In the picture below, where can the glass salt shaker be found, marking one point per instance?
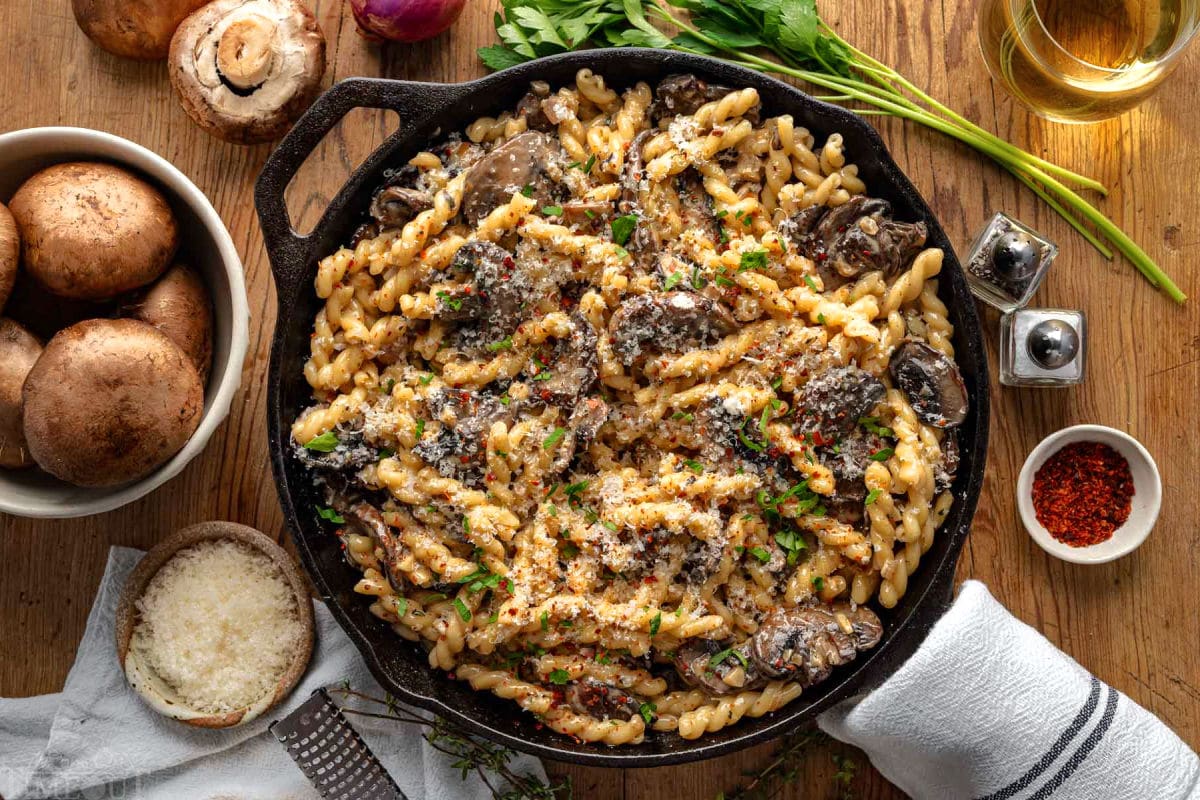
(1008, 262)
(1042, 347)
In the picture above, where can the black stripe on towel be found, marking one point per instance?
(1056, 750)
(1085, 749)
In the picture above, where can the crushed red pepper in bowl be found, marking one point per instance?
(1083, 493)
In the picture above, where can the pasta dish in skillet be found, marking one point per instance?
(629, 406)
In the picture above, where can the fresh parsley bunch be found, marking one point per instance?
(802, 46)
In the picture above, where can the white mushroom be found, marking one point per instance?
(244, 70)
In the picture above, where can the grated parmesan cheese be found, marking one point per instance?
(219, 624)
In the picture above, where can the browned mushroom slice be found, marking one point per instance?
(848, 460)
(497, 299)
(632, 173)
(366, 520)
(705, 664)
(931, 382)
(586, 212)
(947, 468)
(831, 402)
(855, 237)
(351, 453)
(458, 449)
(695, 205)
(571, 366)
(805, 644)
(684, 94)
(666, 322)
(517, 165)
(393, 206)
(530, 107)
(595, 699)
(581, 428)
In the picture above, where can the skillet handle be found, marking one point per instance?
(286, 248)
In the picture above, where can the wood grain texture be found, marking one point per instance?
(1133, 623)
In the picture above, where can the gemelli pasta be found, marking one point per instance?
(630, 405)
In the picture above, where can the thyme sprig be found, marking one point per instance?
(783, 768)
(804, 47)
(489, 761)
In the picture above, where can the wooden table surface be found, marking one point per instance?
(1133, 623)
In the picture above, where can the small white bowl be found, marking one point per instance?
(204, 243)
(1147, 497)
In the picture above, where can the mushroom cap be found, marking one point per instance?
(19, 351)
(10, 253)
(133, 28)
(178, 305)
(245, 70)
(91, 231)
(109, 401)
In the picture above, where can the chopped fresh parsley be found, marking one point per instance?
(622, 228)
(505, 399)
(559, 677)
(872, 496)
(720, 658)
(493, 617)
(698, 280)
(683, 415)
(753, 445)
(545, 620)
(810, 283)
(386, 452)
(504, 344)
(570, 550)
(391, 384)
(694, 465)
(818, 583)
(466, 525)
(552, 211)
(464, 613)
(591, 162)
(554, 438)
(325, 443)
(330, 515)
(647, 711)
(755, 259)
(655, 624)
(622, 252)
(527, 190)
(872, 425)
(721, 280)
(761, 553)
(792, 543)
(672, 281)
(821, 318)
(882, 455)
(401, 606)
(575, 488)
(420, 428)
(426, 379)
(453, 303)
(587, 212)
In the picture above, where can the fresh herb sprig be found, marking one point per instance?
(489, 761)
(804, 47)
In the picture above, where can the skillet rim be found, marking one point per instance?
(292, 257)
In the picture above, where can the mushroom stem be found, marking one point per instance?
(246, 52)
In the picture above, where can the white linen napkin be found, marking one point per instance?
(96, 739)
(988, 708)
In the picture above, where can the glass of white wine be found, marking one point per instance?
(1084, 60)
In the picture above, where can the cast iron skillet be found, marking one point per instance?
(429, 112)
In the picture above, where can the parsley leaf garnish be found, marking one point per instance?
(755, 259)
(559, 677)
(330, 515)
(325, 443)
(622, 228)
(554, 438)
(552, 211)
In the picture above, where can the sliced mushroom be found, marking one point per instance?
(530, 107)
(632, 172)
(458, 449)
(931, 382)
(702, 560)
(367, 520)
(517, 165)
(581, 429)
(585, 212)
(393, 206)
(830, 404)
(848, 460)
(805, 644)
(350, 454)
(497, 299)
(245, 70)
(667, 321)
(695, 205)
(573, 366)
(947, 468)
(855, 237)
(733, 672)
(684, 94)
(601, 701)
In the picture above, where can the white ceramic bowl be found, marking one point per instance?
(1147, 497)
(204, 243)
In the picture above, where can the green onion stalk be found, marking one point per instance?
(807, 49)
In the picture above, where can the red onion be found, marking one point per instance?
(405, 20)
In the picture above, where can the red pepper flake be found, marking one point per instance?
(1083, 493)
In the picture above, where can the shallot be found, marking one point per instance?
(405, 20)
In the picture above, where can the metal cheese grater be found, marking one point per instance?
(331, 754)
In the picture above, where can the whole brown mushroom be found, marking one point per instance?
(245, 70)
(91, 231)
(19, 351)
(45, 313)
(109, 401)
(10, 254)
(179, 306)
(139, 29)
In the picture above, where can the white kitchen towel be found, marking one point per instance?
(987, 708)
(96, 739)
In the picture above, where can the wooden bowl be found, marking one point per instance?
(149, 686)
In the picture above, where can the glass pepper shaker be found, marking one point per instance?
(1043, 347)
(1008, 262)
